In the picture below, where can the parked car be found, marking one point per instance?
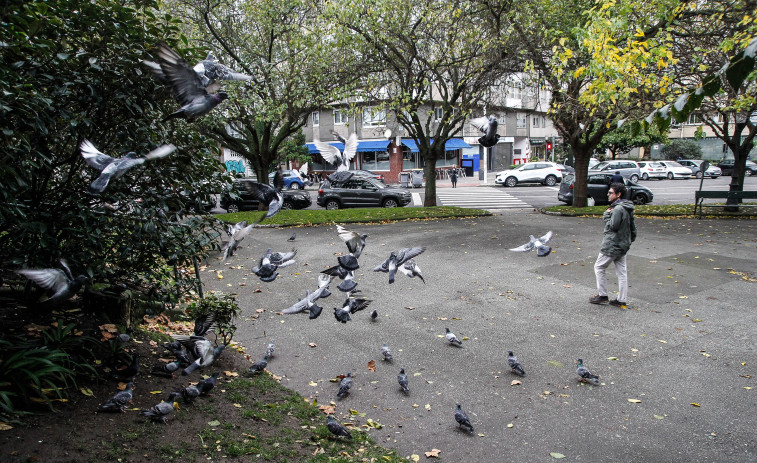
(192, 202)
(545, 173)
(565, 169)
(361, 191)
(292, 179)
(652, 170)
(593, 162)
(713, 171)
(597, 187)
(245, 201)
(628, 169)
(726, 167)
(368, 173)
(676, 170)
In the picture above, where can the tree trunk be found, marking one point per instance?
(430, 171)
(582, 156)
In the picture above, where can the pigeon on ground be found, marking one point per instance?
(321, 292)
(585, 374)
(61, 282)
(345, 269)
(397, 259)
(179, 351)
(118, 402)
(451, 338)
(344, 386)
(236, 233)
(270, 349)
(374, 315)
(202, 348)
(186, 86)
(314, 309)
(293, 237)
(355, 241)
(514, 364)
(411, 270)
(259, 366)
(487, 125)
(402, 380)
(283, 259)
(189, 394)
(332, 155)
(130, 371)
(539, 244)
(113, 168)
(270, 195)
(166, 370)
(386, 353)
(462, 418)
(342, 314)
(337, 428)
(271, 262)
(207, 384)
(159, 413)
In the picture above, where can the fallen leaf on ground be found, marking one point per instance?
(327, 409)
(214, 423)
(433, 453)
(121, 386)
(554, 363)
(410, 308)
(556, 455)
(415, 457)
(86, 391)
(372, 365)
(515, 382)
(634, 401)
(313, 383)
(259, 310)
(156, 392)
(312, 344)
(695, 404)
(658, 417)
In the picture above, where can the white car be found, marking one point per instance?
(650, 169)
(546, 173)
(696, 165)
(675, 170)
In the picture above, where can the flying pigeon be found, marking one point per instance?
(397, 259)
(386, 353)
(411, 269)
(211, 71)
(269, 195)
(345, 269)
(314, 309)
(303, 173)
(130, 371)
(342, 314)
(462, 418)
(118, 402)
(205, 324)
(585, 374)
(166, 369)
(451, 338)
(344, 386)
(236, 233)
(207, 384)
(311, 297)
(355, 241)
(293, 237)
(355, 304)
(61, 282)
(259, 366)
(337, 428)
(202, 348)
(374, 315)
(159, 413)
(178, 350)
(270, 349)
(402, 380)
(540, 244)
(113, 168)
(272, 261)
(514, 364)
(487, 125)
(189, 394)
(186, 85)
(332, 155)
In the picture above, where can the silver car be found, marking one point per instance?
(713, 171)
(628, 169)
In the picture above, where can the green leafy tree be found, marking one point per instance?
(682, 149)
(622, 140)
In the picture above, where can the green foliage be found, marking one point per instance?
(225, 308)
(621, 141)
(682, 149)
(294, 149)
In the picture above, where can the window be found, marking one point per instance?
(521, 121)
(340, 117)
(694, 119)
(316, 117)
(438, 114)
(514, 89)
(373, 118)
(375, 160)
(536, 122)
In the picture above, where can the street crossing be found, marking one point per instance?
(487, 198)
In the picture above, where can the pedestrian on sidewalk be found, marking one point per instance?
(453, 177)
(619, 233)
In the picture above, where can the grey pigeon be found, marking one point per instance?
(332, 155)
(487, 125)
(451, 338)
(160, 412)
(411, 270)
(189, 394)
(118, 402)
(204, 324)
(462, 418)
(337, 428)
(186, 86)
(374, 315)
(386, 353)
(130, 371)
(355, 241)
(259, 366)
(269, 195)
(356, 304)
(539, 244)
(207, 384)
(61, 282)
(178, 350)
(236, 233)
(166, 370)
(344, 386)
(283, 259)
(113, 168)
(293, 237)
(342, 314)
(271, 262)
(402, 380)
(211, 71)
(314, 309)
(585, 374)
(270, 348)
(345, 269)
(514, 364)
(202, 349)
(311, 297)
(397, 259)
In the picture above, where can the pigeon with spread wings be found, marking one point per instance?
(269, 195)
(332, 155)
(487, 125)
(539, 244)
(113, 168)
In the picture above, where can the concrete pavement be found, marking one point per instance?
(688, 337)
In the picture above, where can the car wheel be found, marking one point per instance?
(294, 186)
(640, 198)
(232, 208)
(699, 174)
(747, 173)
(287, 205)
(389, 202)
(634, 178)
(645, 176)
(670, 175)
(332, 205)
(511, 181)
(551, 180)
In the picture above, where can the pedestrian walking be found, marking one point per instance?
(619, 233)
(453, 177)
(616, 177)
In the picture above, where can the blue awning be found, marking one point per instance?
(451, 145)
(362, 146)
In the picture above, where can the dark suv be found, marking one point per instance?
(360, 191)
(246, 202)
(598, 185)
(726, 165)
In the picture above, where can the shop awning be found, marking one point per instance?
(451, 145)
(362, 146)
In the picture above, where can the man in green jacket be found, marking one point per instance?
(620, 232)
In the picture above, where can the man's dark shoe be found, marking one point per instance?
(599, 299)
(617, 303)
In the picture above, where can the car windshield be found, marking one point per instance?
(600, 166)
(750, 163)
(655, 164)
(674, 164)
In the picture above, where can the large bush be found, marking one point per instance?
(682, 149)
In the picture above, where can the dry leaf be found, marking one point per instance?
(238, 405)
(410, 308)
(257, 290)
(153, 343)
(231, 373)
(372, 365)
(515, 382)
(556, 455)
(415, 457)
(260, 310)
(312, 344)
(634, 401)
(121, 386)
(433, 453)
(5, 426)
(695, 404)
(327, 409)
(313, 383)
(658, 417)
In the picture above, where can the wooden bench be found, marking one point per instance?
(701, 195)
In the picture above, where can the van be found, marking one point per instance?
(628, 169)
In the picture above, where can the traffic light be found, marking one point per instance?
(549, 146)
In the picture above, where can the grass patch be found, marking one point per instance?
(652, 210)
(359, 215)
